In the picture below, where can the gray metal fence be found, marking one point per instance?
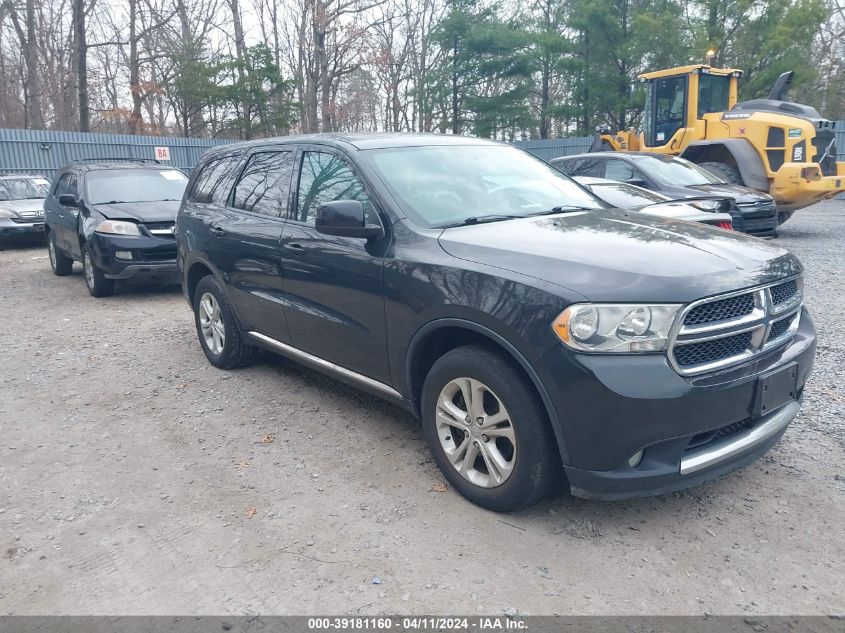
(45, 151)
(548, 149)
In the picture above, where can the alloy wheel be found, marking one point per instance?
(211, 323)
(476, 432)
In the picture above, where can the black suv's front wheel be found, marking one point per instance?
(95, 279)
(487, 430)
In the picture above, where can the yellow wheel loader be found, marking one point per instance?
(772, 145)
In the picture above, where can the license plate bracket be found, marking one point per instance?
(775, 389)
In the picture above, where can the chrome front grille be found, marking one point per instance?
(718, 332)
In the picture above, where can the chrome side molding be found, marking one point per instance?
(716, 452)
(325, 366)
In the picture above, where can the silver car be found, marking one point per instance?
(22, 205)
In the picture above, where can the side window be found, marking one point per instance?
(61, 186)
(325, 177)
(212, 183)
(620, 170)
(72, 187)
(569, 167)
(591, 167)
(264, 183)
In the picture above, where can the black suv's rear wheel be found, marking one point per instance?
(217, 330)
(98, 284)
(60, 263)
(488, 431)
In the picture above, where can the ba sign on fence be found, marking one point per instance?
(162, 153)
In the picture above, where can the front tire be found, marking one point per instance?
(783, 216)
(725, 172)
(217, 329)
(95, 279)
(488, 431)
(61, 264)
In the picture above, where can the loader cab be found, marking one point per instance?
(677, 99)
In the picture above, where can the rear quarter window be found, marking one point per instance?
(214, 180)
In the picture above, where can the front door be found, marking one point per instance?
(334, 285)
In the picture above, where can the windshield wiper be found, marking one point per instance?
(559, 209)
(481, 220)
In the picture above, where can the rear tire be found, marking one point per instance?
(725, 172)
(61, 264)
(783, 216)
(95, 279)
(497, 449)
(217, 329)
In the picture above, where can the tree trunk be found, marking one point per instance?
(34, 114)
(456, 115)
(78, 19)
(136, 121)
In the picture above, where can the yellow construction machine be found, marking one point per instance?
(786, 149)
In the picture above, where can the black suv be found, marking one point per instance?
(116, 218)
(754, 212)
(539, 336)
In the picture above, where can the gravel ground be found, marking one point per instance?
(137, 479)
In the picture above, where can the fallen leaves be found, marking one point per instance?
(439, 487)
(250, 512)
(243, 464)
(267, 439)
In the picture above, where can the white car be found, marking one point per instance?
(626, 196)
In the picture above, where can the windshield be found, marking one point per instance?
(135, 185)
(676, 172)
(625, 196)
(443, 185)
(24, 188)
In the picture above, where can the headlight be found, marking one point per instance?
(706, 205)
(7, 213)
(617, 328)
(118, 227)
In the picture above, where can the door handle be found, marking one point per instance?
(216, 231)
(296, 247)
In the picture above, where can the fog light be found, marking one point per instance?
(635, 459)
(123, 254)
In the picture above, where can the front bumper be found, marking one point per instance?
(150, 256)
(760, 221)
(689, 429)
(9, 228)
(791, 191)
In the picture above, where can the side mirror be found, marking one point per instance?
(345, 218)
(67, 200)
(637, 182)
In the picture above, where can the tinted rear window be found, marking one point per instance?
(212, 184)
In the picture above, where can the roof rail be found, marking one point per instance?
(113, 159)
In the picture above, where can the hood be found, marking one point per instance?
(623, 256)
(157, 211)
(23, 206)
(737, 192)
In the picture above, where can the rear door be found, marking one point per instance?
(248, 235)
(334, 285)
